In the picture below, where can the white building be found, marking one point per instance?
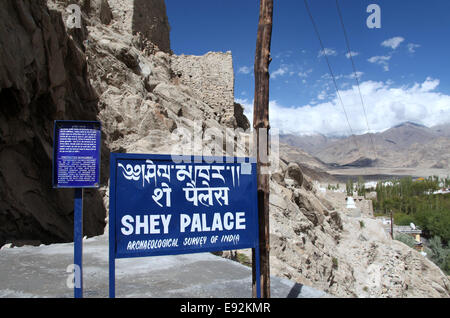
(350, 203)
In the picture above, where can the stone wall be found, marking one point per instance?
(150, 19)
(211, 77)
(147, 17)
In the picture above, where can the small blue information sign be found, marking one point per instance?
(160, 207)
(76, 158)
(76, 164)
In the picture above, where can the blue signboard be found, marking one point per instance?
(76, 154)
(76, 164)
(160, 207)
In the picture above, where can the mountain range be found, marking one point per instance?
(407, 145)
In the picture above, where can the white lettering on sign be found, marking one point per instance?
(145, 224)
(151, 172)
(159, 223)
(151, 244)
(205, 196)
(77, 155)
(198, 222)
(160, 175)
(201, 240)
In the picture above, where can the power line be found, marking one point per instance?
(356, 75)
(332, 74)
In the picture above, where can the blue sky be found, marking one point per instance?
(403, 66)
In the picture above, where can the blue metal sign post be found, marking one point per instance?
(78, 242)
(161, 207)
(76, 164)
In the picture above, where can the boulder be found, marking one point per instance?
(278, 177)
(315, 217)
(241, 120)
(335, 220)
(309, 205)
(294, 172)
(307, 184)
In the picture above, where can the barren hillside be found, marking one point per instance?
(408, 145)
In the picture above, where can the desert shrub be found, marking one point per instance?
(335, 262)
(440, 255)
(405, 238)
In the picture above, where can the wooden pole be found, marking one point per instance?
(261, 126)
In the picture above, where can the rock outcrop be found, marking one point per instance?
(314, 242)
(116, 68)
(43, 77)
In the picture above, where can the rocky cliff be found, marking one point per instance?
(117, 67)
(317, 242)
(43, 77)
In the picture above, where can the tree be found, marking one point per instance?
(349, 187)
(360, 186)
(440, 255)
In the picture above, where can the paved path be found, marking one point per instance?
(42, 272)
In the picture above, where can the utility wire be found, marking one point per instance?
(356, 75)
(331, 72)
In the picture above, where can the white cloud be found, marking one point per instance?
(386, 106)
(377, 59)
(381, 60)
(282, 55)
(282, 70)
(412, 47)
(429, 85)
(393, 43)
(353, 75)
(327, 51)
(352, 54)
(305, 73)
(337, 77)
(244, 70)
(322, 95)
